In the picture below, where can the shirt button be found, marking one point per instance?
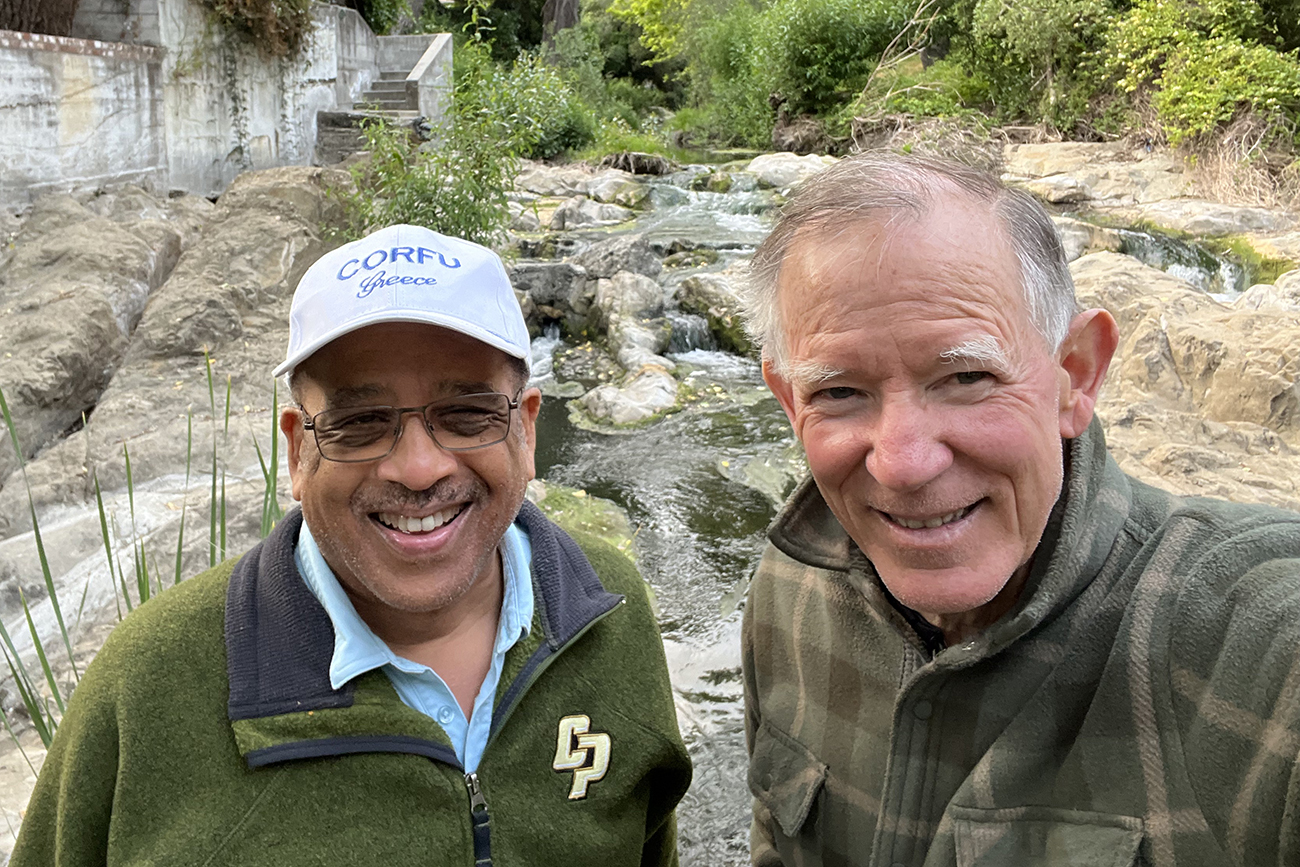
(446, 715)
(922, 710)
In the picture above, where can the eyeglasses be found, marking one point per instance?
(368, 433)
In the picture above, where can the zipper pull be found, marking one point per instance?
(477, 803)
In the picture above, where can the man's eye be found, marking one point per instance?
(970, 377)
(838, 392)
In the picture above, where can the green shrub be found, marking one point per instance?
(1207, 84)
(384, 15)
(1204, 64)
(279, 28)
(817, 54)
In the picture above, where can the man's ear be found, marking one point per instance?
(1084, 359)
(780, 386)
(530, 404)
(295, 434)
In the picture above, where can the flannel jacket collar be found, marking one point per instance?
(1095, 502)
(279, 640)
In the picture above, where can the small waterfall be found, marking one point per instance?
(1207, 271)
(542, 352)
(688, 332)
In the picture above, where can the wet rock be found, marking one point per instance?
(1079, 237)
(580, 212)
(645, 394)
(639, 342)
(628, 294)
(616, 188)
(1285, 246)
(1099, 173)
(784, 170)
(523, 218)
(623, 253)
(547, 180)
(1201, 397)
(73, 288)
(1214, 219)
(558, 290)
(638, 163)
(715, 297)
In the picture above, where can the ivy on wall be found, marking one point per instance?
(278, 28)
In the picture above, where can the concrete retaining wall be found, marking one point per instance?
(78, 113)
(190, 111)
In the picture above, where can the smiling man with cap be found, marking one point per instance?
(415, 668)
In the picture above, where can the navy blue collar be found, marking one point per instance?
(279, 640)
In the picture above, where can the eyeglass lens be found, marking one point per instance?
(370, 432)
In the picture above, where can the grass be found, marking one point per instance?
(45, 712)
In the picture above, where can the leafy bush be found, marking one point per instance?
(817, 54)
(1208, 84)
(384, 15)
(1204, 63)
(279, 28)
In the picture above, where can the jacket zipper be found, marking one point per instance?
(541, 667)
(479, 822)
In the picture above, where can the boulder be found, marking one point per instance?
(229, 295)
(547, 180)
(1214, 219)
(627, 294)
(558, 290)
(73, 289)
(1079, 237)
(616, 188)
(580, 212)
(645, 394)
(622, 253)
(784, 170)
(1098, 173)
(1285, 246)
(636, 343)
(1201, 397)
(714, 297)
(638, 163)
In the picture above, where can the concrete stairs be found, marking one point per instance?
(391, 98)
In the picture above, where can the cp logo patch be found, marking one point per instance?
(582, 751)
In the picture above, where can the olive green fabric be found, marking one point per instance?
(146, 767)
(1140, 705)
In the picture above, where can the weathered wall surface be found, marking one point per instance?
(78, 113)
(173, 103)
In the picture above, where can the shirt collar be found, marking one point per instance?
(357, 649)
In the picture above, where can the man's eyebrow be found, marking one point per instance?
(809, 373)
(353, 395)
(981, 350)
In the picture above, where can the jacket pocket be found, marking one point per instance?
(1043, 836)
(785, 776)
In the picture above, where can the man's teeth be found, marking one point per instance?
(418, 525)
(930, 523)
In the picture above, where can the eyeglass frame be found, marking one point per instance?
(512, 404)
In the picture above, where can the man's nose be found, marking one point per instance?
(907, 449)
(417, 462)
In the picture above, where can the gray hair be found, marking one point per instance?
(882, 184)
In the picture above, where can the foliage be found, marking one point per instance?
(1039, 43)
(279, 28)
(384, 15)
(1206, 63)
(505, 27)
(817, 54)
(944, 89)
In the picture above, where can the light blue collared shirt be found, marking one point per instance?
(357, 649)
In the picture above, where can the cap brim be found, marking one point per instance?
(452, 323)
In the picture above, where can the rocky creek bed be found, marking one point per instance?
(657, 430)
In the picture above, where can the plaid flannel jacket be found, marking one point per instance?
(1140, 705)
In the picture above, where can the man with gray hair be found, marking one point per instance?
(973, 640)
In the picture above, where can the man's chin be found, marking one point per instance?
(942, 592)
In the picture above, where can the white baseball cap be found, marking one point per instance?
(405, 274)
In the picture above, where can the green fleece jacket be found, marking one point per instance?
(206, 733)
(1139, 705)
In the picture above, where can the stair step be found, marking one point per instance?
(391, 75)
(394, 84)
